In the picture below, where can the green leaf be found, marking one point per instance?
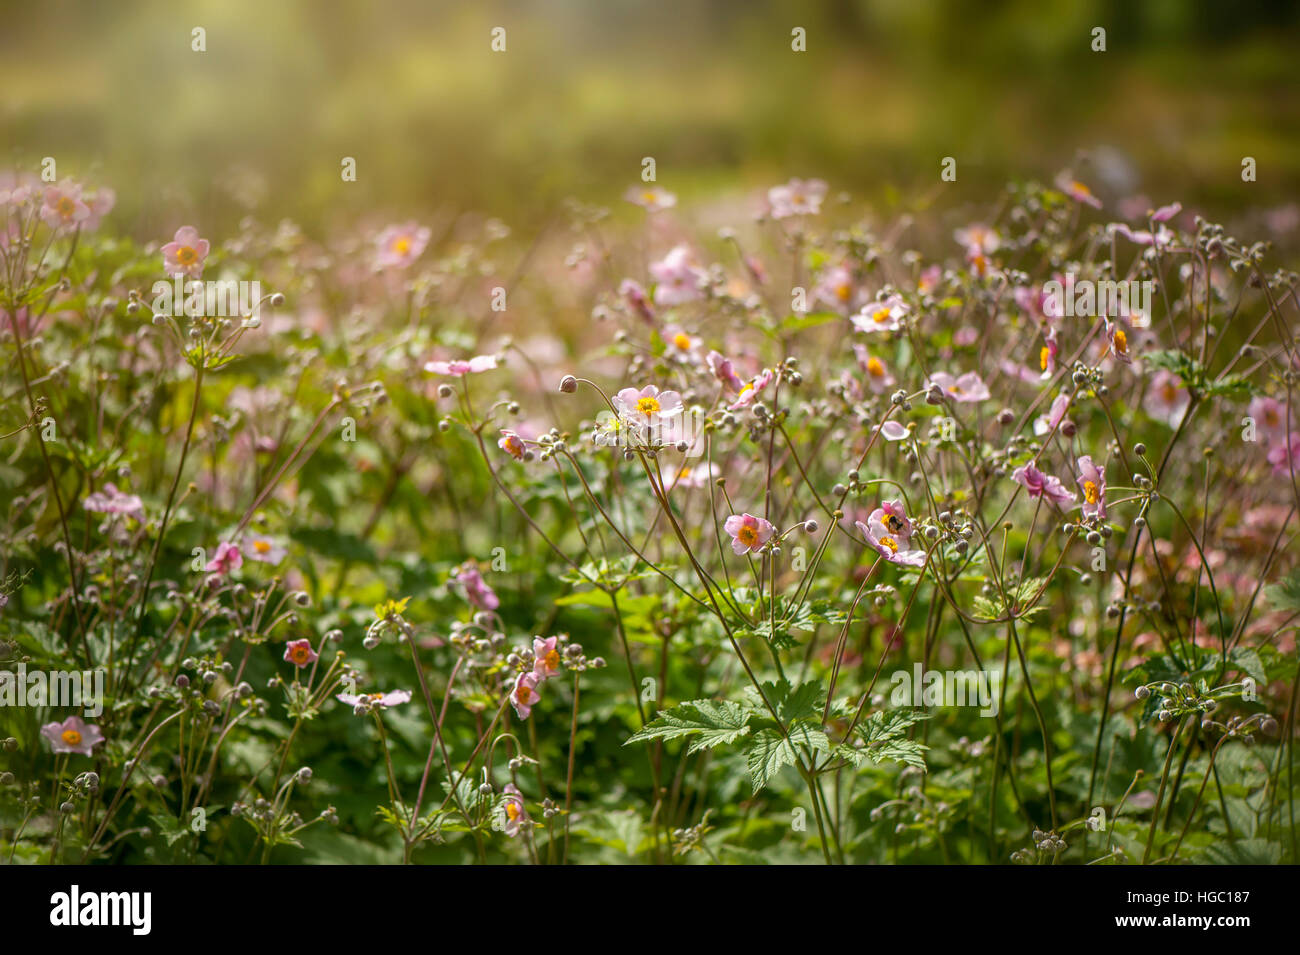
(802, 702)
(711, 722)
(1248, 662)
(769, 752)
(884, 737)
(1285, 594)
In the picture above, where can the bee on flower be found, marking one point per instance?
(889, 530)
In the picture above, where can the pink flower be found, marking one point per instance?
(64, 206)
(1047, 356)
(688, 476)
(513, 808)
(363, 703)
(798, 197)
(17, 187)
(680, 342)
(1052, 420)
(980, 242)
(1166, 399)
(459, 368)
(546, 658)
(650, 198)
(748, 533)
(893, 431)
(1039, 484)
(724, 371)
(1118, 339)
(1270, 416)
(400, 245)
(300, 653)
(631, 292)
(929, 280)
(837, 289)
(185, 253)
(512, 444)
(1285, 456)
(112, 501)
(101, 204)
(647, 406)
(524, 695)
(881, 316)
(73, 735)
(477, 592)
(1160, 239)
(878, 377)
(265, 550)
(750, 391)
(1077, 190)
(978, 239)
(228, 559)
(967, 388)
(677, 278)
(1165, 213)
(1092, 481)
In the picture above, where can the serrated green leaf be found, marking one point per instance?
(711, 722)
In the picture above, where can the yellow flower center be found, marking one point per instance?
(890, 543)
(66, 207)
(1042, 358)
(875, 368)
(955, 389)
(185, 255)
(262, 547)
(1121, 341)
(1091, 493)
(401, 245)
(300, 654)
(513, 812)
(71, 737)
(843, 291)
(1080, 188)
(552, 659)
(649, 196)
(1169, 393)
(880, 316)
(893, 522)
(648, 405)
(521, 694)
(682, 341)
(747, 535)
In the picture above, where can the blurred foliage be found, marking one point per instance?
(712, 90)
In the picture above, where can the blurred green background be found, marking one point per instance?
(711, 89)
